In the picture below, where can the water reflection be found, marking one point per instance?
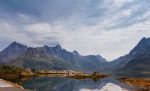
(107, 87)
(69, 84)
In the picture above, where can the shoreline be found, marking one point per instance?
(142, 83)
(9, 86)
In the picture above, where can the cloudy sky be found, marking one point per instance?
(110, 28)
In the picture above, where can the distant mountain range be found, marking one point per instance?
(136, 63)
(46, 58)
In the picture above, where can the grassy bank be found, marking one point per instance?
(95, 76)
(10, 71)
(16, 72)
(140, 82)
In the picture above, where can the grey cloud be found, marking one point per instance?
(89, 26)
(137, 11)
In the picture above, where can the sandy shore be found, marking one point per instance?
(8, 86)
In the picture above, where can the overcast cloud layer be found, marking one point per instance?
(110, 28)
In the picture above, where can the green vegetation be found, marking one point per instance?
(12, 72)
(9, 71)
(94, 76)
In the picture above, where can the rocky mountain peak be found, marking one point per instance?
(58, 47)
(142, 47)
(16, 45)
(75, 52)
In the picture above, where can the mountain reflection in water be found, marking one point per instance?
(69, 84)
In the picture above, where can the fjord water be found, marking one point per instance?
(69, 84)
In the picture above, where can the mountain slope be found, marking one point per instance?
(137, 62)
(49, 58)
(12, 51)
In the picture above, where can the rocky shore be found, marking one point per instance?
(9, 86)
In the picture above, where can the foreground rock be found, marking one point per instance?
(4, 84)
(12, 89)
(8, 86)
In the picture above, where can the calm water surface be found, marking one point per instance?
(69, 84)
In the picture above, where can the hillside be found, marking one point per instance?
(46, 58)
(136, 63)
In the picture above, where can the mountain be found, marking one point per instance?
(47, 58)
(12, 51)
(137, 62)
